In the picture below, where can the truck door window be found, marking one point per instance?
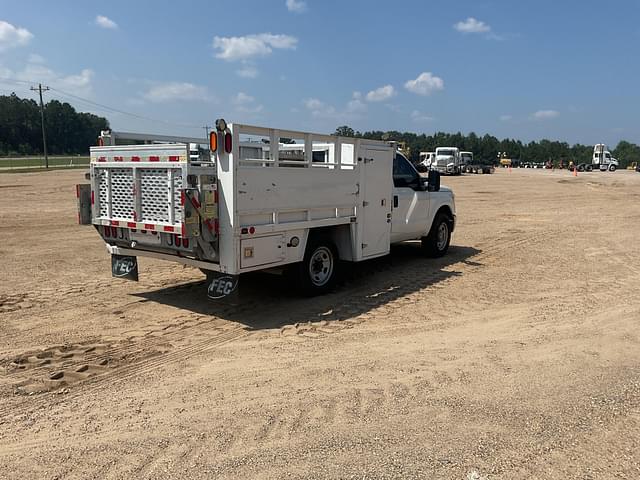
(403, 173)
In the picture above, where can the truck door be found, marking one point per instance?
(410, 205)
(376, 206)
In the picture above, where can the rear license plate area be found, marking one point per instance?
(146, 238)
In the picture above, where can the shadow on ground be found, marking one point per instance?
(267, 301)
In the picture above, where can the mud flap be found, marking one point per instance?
(83, 194)
(124, 266)
(222, 286)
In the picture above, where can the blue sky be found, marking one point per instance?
(546, 69)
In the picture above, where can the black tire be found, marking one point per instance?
(612, 168)
(319, 271)
(589, 168)
(436, 244)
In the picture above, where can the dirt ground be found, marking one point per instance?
(515, 356)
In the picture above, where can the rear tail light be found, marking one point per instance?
(228, 144)
(213, 141)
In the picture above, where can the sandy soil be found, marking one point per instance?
(516, 356)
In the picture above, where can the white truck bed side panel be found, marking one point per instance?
(277, 188)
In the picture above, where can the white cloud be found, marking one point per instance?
(320, 109)
(381, 94)
(505, 118)
(248, 72)
(172, 91)
(472, 25)
(242, 99)
(242, 48)
(313, 104)
(11, 36)
(77, 84)
(356, 104)
(418, 116)
(425, 84)
(246, 104)
(545, 114)
(296, 6)
(355, 107)
(106, 22)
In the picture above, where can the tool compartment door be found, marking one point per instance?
(375, 190)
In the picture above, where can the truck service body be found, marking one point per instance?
(257, 201)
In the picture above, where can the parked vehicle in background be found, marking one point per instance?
(261, 199)
(447, 160)
(603, 160)
(466, 158)
(479, 166)
(426, 160)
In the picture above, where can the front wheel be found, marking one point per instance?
(612, 168)
(318, 272)
(437, 242)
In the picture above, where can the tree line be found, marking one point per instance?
(68, 132)
(487, 147)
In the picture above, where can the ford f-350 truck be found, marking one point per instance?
(260, 198)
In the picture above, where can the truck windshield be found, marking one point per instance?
(446, 152)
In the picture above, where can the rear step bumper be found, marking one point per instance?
(214, 267)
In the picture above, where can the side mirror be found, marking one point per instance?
(433, 182)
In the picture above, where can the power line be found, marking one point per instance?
(122, 112)
(40, 88)
(106, 107)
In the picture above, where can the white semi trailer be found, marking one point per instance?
(262, 199)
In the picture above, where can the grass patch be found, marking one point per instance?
(38, 162)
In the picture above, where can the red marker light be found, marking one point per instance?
(227, 142)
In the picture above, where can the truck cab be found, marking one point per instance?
(417, 203)
(602, 158)
(447, 160)
(466, 160)
(426, 160)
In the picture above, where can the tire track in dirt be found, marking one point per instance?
(354, 305)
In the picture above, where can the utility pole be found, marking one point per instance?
(207, 128)
(39, 89)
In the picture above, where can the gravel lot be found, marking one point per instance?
(516, 356)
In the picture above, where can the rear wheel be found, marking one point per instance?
(437, 242)
(318, 272)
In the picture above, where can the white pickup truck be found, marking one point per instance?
(261, 199)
